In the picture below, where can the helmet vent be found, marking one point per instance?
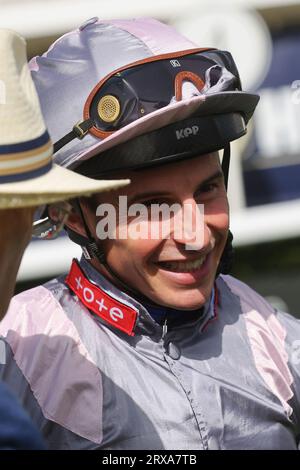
(109, 108)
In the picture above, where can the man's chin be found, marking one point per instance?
(184, 301)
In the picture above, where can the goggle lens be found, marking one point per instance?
(144, 88)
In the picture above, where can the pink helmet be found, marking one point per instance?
(119, 94)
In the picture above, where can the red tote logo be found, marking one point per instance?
(99, 302)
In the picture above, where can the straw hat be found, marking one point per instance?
(28, 177)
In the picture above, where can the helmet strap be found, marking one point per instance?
(225, 164)
(226, 261)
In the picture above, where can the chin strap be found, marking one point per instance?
(226, 163)
(226, 262)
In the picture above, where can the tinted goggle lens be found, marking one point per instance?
(142, 89)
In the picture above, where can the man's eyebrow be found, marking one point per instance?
(150, 194)
(217, 175)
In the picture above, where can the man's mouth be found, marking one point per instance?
(182, 266)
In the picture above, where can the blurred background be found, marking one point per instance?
(264, 38)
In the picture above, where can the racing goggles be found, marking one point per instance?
(145, 86)
(46, 228)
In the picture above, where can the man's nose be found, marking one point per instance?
(190, 227)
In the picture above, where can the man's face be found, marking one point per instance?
(166, 270)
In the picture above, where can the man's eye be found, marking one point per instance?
(150, 202)
(210, 187)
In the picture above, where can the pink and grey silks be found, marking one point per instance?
(228, 379)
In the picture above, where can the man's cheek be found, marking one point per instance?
(224, 223)
(219, 221)
(218, 207)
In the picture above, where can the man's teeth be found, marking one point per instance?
(183, 266)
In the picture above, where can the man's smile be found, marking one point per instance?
(182, 265)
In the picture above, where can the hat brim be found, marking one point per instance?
(203, 105)
(58, 184)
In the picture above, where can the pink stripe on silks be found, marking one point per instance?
(48, 350)
(158, 37)
(267, 341)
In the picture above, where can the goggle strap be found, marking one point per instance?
(78, 132)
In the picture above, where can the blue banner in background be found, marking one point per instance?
(271, 162)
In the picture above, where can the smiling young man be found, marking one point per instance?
(168, 271)
(146, 344)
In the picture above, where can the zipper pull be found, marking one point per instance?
(165, 328)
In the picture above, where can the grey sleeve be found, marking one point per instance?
(292, 345)
(56, 436)
(12, 376)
